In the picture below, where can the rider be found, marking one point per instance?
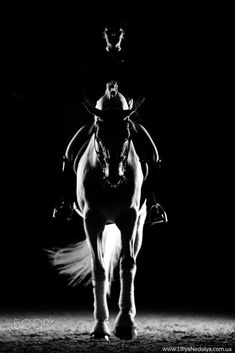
(114, 65)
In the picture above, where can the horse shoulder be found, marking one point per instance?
(134, 161)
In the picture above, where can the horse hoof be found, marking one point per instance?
(100, 336)
(125, 333)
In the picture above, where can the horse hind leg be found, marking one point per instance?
(94, 227)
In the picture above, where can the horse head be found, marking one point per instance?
(112, 141)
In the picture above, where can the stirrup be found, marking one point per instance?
(156, 215)
(63, 212)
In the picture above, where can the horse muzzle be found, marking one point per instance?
(114, 176)
(115, 183)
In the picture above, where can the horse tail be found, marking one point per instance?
(112, 249)
(73, 261)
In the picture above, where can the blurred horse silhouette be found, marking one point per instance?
(108, 193)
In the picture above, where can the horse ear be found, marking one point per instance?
(126, 113)
(93, 111)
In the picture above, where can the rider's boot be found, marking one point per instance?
(155, 212)
(64, 210)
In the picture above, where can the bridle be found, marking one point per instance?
(105, 161)
(103, 156)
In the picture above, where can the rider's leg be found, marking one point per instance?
(64, 209)
(144, 143)
(78, 140)
(156, 213)
(148, 152)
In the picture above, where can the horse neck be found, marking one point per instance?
(91, 155)
(133, 159)
(92, 161)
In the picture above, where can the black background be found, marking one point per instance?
(185, 264)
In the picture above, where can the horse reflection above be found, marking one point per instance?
(109, 182)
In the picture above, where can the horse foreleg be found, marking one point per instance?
(94, 227)
(140, 227)
(125, 326)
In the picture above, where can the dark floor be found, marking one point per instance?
(68, 331)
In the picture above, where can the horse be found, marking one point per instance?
(108, 198)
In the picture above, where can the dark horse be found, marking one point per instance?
(109, 184)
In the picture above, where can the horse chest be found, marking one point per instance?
(100, 195)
